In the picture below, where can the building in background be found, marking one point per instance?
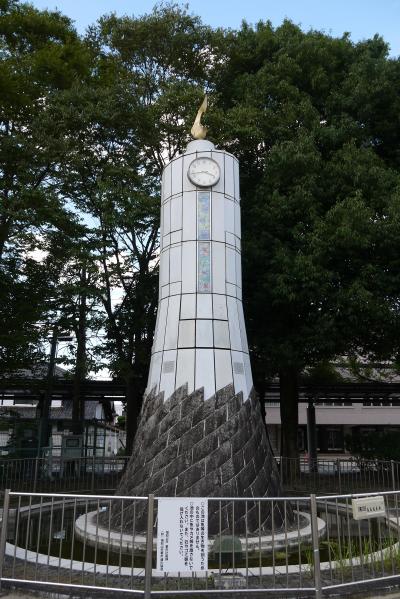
(19, 418)
(343, 409)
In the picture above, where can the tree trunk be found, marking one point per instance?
(289, 406)
(44, 406)
(261, 388)
(78, 405)
(5, 226)
(134, 398)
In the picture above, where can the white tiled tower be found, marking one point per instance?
(200, 336)
(201, 432)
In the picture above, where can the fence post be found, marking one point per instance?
(36, 474)
(93, 469)
(339, 474)
(4, 527)
(393, 475)
(315, 542)
(149, 548)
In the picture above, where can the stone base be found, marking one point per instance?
(186, 446)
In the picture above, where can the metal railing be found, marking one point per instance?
(59, 474)
(289, 545)
(338, 475)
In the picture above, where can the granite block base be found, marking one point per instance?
(188, 446)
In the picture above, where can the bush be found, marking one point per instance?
(378, 445)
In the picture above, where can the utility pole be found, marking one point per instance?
(45, 403)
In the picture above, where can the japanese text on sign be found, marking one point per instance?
(182, 540)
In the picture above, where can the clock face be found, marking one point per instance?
(204, 172)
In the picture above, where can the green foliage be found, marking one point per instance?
(319, 193)
(121, 421)
(377, 445)
(86, 127)
(305, 114)
(322, 373)
(40, 55)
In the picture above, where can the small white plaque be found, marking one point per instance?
(368, 507)
(182, 537)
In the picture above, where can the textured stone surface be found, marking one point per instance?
(215, 448)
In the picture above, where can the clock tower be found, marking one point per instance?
(201, 431)
(200, 338)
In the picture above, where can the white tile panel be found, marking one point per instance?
(239, 376)
(189, 260)
(185, 369)
(229, 178)
(219, 307)
(154, 377)
(168, 371)
(164, 267)
(171, 330)
(247, 371)
(230, 265)
(165, 291)
(161, 324)
(163, 187)
(166, 241)
(175, 288)
(230, 238)
(161, 226)
(234, 328)
(186, 333)
(231, 289)
(175, 257)
(153, 347)
(189, 216)
(188, 306)
(167, 181)
(221, 334)
(236, 179)
(217, 217)
(205, 371)
(167, 217)
(176, 213)
(176, 236)
(204, 305)
(242, 326)
(177, 176)
(229, 215)
(204, 333)
(218, 267)
(238, 259)
(237, 220)
(219, 159)
(239, 293)
(223, 368)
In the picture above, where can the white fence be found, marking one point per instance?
(294, 546)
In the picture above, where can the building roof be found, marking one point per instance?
(63, 412)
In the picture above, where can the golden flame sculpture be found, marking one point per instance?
(198, 130)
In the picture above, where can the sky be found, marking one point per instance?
(362, 18)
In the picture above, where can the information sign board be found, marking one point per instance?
(368, 507)
(182, 537)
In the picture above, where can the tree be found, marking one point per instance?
(40, 55)
(306, 115)
(121, 130)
